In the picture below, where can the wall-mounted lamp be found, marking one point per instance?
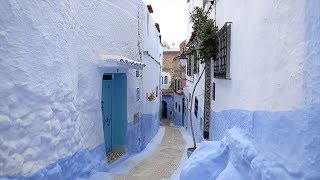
(183, 60)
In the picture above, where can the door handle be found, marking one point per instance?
(102, 105)
(108, 121)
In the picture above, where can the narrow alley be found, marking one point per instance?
(150, 89)
(164, 161)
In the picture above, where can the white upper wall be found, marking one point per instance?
(163, 75)
(267, 39)
(151, 36)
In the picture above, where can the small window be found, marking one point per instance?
(196, 107)
(138, 94)
(166, 80)
(213, 91)
(189, 66)
(183, 106)
(178, 86)
(176, 105)
(161, 79)
(157, 91)
(179, 108)
(196, 64)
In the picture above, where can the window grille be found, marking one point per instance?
(196, 64)
(222, 62)
(189, 66)
(196, 107)
(214, 91)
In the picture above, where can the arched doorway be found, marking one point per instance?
(164, 109)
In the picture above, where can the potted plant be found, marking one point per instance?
(205, 44)
(152, 96)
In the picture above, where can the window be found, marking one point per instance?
(138, 94)
(161, 79)
(179, 107)
(176, 105)
(175, 84)
(166, 80)
(189, 66)
(196, 107)
(178, 86)
(157, 91)
(222, 62)
(183, 106)
(213, 91)
(196, 64)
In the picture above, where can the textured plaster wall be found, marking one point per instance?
(168, 85)
(151, 84)
(267, 55)
(50, 78)
(283, 126)
(311, 64)
(177, 116)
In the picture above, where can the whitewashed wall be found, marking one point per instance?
(167, 85)
(266, 55)
(50, 76)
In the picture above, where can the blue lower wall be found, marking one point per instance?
(293, 135)
(197, 123)
(85, 161)
(80, 164)
(178, 118)
(141, 131)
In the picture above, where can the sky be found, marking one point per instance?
(172, 18)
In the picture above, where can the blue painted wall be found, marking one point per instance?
(85, 161)
(141, 131)
(289, 133)
(294, 135)
(178, 119)
(197, 124)
(80, 164)
(169, 100)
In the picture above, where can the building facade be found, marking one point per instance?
(264, 82)
(167, 80)
(179, 76)
(78, 79)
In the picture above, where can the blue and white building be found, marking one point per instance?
(77, 79)
(265, 83)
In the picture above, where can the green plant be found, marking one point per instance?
(205, 41)
(205, 44)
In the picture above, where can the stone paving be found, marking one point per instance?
(163, 162)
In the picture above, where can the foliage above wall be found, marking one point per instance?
(205, 41)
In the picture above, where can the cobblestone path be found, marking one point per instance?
(163, 162)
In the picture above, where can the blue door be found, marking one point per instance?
(106, 106)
